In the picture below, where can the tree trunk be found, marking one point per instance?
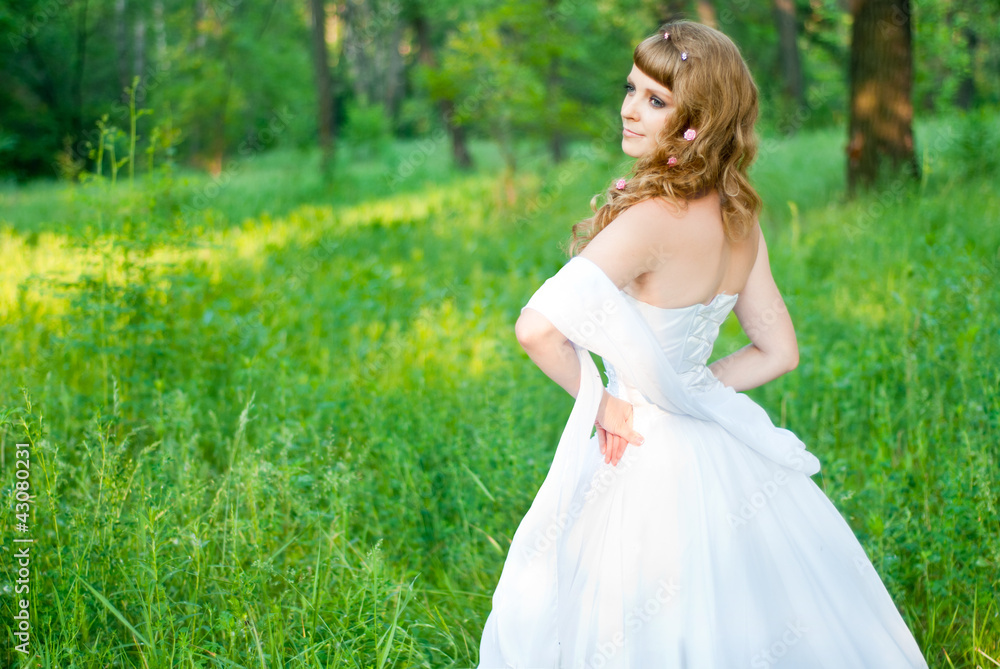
(966, 93)
(121, 45)
(669, 10)
(784, 17)
(160, 32)
(706, 13)
(372, 37)
(199, 14)
(880, 136)
(394, 76)
(557, 141)
(356, 52)
(459, 146)
(196, 132)
(218, 142)
(79, 67)
(139, 48)
(324, 85)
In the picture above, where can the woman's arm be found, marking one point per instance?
(549, 349)
(773, 349)
(554, 355)
(623, 250)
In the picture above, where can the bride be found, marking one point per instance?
(678, 527)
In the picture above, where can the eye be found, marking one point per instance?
(629, 88)
(657, 103)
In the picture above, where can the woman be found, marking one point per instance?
(686, 532)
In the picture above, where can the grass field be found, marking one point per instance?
(274, 423)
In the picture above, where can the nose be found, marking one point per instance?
(628, 108)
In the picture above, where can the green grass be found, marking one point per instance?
(283, 424)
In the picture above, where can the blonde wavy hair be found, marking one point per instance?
(714, 93)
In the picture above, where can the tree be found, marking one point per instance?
(520, 78)
(706, 13)
(665, 11)
(784, 18)
(445, 103)
(371, 34)
(957, 49)
(880, 135)
(324, 85)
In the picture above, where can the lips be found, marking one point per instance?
(630, 133)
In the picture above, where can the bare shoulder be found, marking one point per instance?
(646, 216)
(673, 213)
(655, 233)
(637, 241)
(696, 221)
(673, 225)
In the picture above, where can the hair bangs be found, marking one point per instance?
(658, 59)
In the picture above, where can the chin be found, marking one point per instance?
(629, 150)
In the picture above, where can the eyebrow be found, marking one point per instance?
(660, 93)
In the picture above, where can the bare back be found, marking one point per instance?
(672, 258)
(698, 260)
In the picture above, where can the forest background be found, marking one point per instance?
(261, 262)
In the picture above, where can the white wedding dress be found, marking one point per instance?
(696, 551)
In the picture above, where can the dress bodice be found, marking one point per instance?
(660, 356)
(686, 335)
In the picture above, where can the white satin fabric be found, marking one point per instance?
(708, 547)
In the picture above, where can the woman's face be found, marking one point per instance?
(645, 109)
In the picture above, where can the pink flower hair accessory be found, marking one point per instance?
(672, 160)
(690, 134)
(620, 184)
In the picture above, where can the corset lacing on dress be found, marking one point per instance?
(702, 331)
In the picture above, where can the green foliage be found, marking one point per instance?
(535, 70)
(297, 430)
(221, 77)
(954, 43)
(238, 77)
(368, 130)
(975, 149)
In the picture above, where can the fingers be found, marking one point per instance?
(620, 447)
(602, 438)
(612, 449)
(617, 450)
(614, 445)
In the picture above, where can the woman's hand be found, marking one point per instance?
(614, 428)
